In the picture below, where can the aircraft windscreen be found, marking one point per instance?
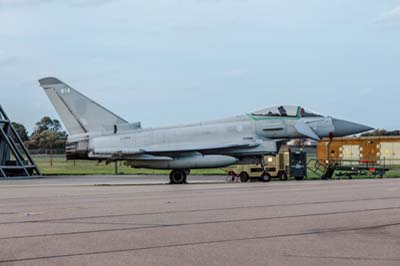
(309, 113)
(278, 111)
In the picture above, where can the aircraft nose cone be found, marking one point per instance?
(344, 128)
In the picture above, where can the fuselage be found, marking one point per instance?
(230, 129)
(263, 131)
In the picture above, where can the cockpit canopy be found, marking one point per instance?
(285, 111)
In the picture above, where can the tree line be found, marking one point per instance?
(48, 134)
(381, 132)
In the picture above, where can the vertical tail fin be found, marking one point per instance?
(78, 113)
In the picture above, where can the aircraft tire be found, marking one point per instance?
(265, 177)
(244, 177)
(178, 177)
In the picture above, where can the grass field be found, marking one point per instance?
(60, 166)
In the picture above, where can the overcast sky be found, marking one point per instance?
(175, 61)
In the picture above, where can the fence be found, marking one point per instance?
(47, 151)
(57, 164)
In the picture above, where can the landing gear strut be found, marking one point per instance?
(178, 176)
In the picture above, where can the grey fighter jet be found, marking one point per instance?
(95, 133)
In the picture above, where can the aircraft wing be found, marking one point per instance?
(158, 152)
(188, 147)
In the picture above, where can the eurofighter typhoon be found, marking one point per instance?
(95, 133)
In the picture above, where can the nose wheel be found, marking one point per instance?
(178, 176)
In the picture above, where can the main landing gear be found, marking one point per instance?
(178, 176)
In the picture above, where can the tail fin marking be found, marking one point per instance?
(78, 113)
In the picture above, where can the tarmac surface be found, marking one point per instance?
(123, 221)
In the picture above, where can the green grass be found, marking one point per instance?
(61, 166)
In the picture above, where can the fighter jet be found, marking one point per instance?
(96, 133)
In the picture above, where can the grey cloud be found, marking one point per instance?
(219, 1)
(392, 16)
(5, 62)
(87, 3)
(71, 3)
(18, 3)
(234, 73)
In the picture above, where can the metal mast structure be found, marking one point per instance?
(15, 160)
